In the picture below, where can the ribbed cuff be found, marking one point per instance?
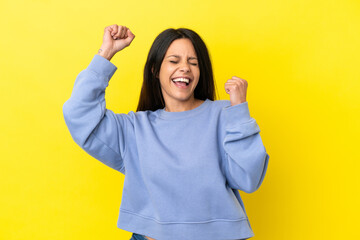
(236, 114)
(102, 66)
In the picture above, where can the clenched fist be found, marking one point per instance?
(237, 88)
(115, 39)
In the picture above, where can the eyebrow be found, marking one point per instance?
(177, 56)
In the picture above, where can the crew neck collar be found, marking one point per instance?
(184, 114)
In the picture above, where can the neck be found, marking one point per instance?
(180, 106)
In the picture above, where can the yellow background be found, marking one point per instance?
(300, 58)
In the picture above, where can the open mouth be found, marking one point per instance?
(181, 82)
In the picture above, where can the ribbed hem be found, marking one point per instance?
(218, 229)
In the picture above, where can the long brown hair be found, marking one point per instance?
(151, 97)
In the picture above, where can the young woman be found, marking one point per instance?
(184, 154)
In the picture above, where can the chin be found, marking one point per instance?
(184, 98)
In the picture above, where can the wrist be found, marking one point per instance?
(105, 53)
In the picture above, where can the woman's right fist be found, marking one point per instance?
(115, 39)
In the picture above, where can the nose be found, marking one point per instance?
(184, 67)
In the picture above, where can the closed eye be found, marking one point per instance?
(175, 62)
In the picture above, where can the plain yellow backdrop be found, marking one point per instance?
(300, 58)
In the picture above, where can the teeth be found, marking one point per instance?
(181, 80)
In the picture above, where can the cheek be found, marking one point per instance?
(162, 82)
(197, 73)
(165, 71)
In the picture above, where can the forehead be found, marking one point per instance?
(181, 47)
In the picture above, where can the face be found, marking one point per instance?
(179, 72)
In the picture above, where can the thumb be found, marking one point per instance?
(107, 34)
(129, 33)
(130, 36)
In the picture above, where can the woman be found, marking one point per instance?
(184, 155)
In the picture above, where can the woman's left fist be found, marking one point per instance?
(237, 88)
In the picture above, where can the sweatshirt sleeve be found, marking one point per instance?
(246, 160)
(97, 130)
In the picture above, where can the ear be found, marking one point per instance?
(152, 71)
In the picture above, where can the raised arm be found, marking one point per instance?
(97, 130)
(246, 160)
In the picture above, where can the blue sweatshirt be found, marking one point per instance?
(182, 169)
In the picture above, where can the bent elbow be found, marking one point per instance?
(256, 182)
(255, 179)
(251, 187)
(75, 124)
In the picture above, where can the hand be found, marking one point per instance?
(237, 88)
(115, 39)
